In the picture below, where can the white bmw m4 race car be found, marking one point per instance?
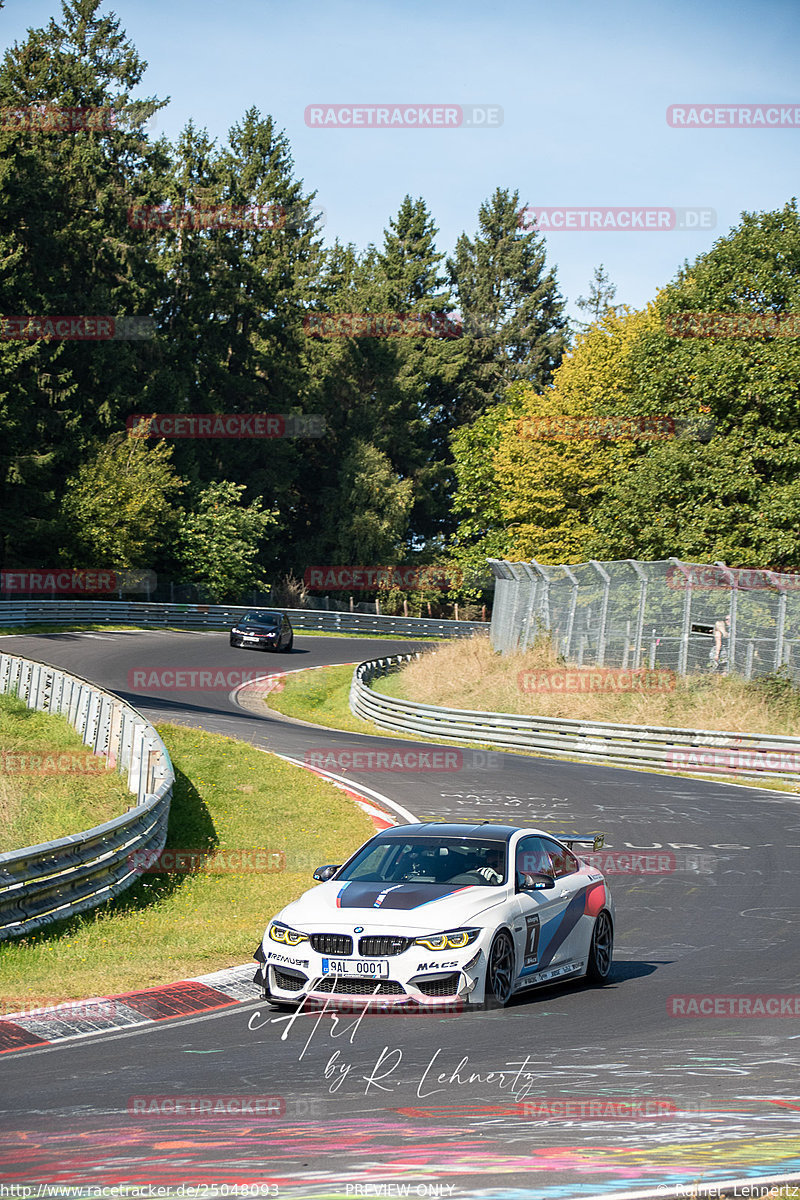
(442, 916)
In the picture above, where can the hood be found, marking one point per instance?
(428, 907)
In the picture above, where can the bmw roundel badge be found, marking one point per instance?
(358, 929)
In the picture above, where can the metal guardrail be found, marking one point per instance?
(222, 616)
(44, 883)
(746, 755)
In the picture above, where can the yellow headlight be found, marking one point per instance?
(436, 941)
(456, 941)
(287, 937)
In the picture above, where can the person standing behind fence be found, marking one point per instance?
(721, 631)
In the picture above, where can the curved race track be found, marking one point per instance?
(439, 1101)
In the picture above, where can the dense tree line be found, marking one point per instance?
(108, 221)
(680, 433)
(426, 451)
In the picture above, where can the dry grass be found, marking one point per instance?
(468, 674)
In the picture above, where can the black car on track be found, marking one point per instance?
(263, 629)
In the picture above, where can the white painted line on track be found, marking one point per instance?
(353, 786)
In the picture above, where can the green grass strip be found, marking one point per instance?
(51, 785)
(228, 796)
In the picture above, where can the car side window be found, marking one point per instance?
(564, 863)
(532, 857)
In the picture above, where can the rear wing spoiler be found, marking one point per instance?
(595, 840)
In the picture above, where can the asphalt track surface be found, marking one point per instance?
(437, 1104)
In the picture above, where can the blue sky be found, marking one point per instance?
(584, 89)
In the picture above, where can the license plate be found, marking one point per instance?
(363, 968)
(249, 638)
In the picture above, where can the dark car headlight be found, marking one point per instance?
(284, 934)
(451, 939)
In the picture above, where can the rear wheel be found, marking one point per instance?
(500, 971)
(601, 950)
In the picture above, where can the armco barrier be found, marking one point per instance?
(222, 616)
(592, 741)
(44, 883)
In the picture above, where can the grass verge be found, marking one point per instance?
(228, 796)
(470, 675)
(51, 785)
(320, 697)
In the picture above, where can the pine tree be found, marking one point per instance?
(511, 302)
(66, 249)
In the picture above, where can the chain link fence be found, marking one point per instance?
(688, 617)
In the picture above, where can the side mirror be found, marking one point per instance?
(323, 874)
(534, 881)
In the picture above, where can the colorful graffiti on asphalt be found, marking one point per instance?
(367, 1149)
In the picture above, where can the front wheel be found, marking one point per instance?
(601, 950)
(287, 649)
(500, 971)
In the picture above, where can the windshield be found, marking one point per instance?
(458, 861)
(261, 618)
